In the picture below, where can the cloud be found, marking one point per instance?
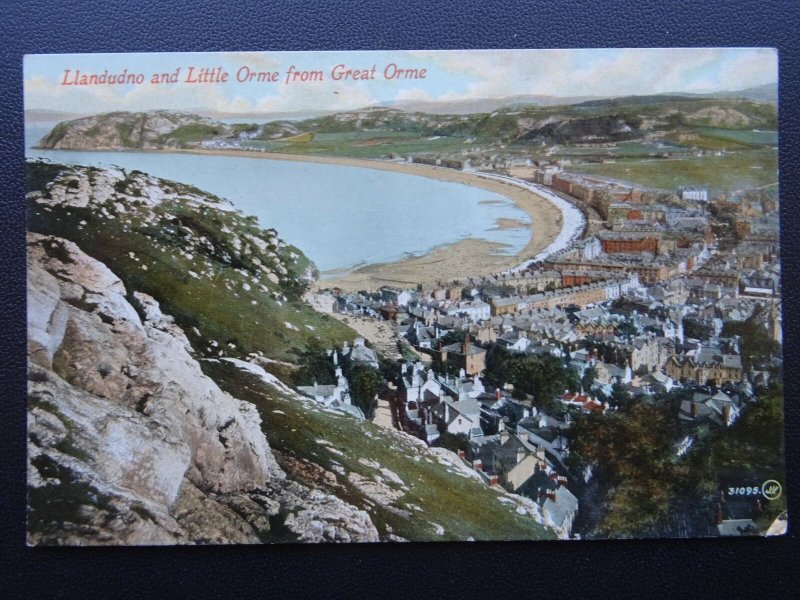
(750, 69)
(45, 93)
(323, 96)
(604, 72)
(414, 95)
(453, 75)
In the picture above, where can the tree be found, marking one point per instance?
(620, 396)
(543, 377)
(498, 364)
(315, 366)
(364, 385)
(633, 451)
(627, 328)
(757, 346)
(454, 442)
(454, 337)
(589, 375)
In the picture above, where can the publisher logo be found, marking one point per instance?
(771, 489)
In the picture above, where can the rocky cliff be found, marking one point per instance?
(154, 310)
(129, 442)
(127, 130)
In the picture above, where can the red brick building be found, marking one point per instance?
(562, 185)
(627, 243)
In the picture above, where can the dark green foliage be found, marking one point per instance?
(642, 480)
(694, 329)
(190, 134)
(620, 396)
(589, 375)
(40, 173)
(364, 385)
(634, 449)
(454, 442)
(315, 367)
(756, 344)
(454, 337)
(626, 328)
(244, 128)
(543, 377)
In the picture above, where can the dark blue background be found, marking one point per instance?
(757, 568)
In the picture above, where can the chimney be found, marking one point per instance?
(461, 454)
(520, 454)
(726, 414)
(694, 410)
(477, 464)
(465, 345)
(494, 480)
(503, 436)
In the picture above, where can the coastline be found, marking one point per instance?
(465, 258)
(549, 229)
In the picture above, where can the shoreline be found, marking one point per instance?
(457, 260)
(464, 258)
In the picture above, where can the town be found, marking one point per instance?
(669, 302)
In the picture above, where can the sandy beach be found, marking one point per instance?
(462, 259)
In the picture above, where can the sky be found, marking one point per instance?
(450, 75)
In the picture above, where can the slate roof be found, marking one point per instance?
(458, 349)
(564, 505)
(506, 454)
(468, 408)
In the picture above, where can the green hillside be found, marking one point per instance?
(235, 289)
(429, 492)
(215, 270)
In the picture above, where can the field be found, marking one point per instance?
(742, 136)
(365, 144)
(732, 171)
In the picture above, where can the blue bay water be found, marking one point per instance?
(339, 216)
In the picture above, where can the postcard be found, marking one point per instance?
(387, 296)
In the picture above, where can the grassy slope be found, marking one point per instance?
(154, 249)
(461, 506)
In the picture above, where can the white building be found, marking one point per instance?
(696, 194)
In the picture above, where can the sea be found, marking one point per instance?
(341, 217)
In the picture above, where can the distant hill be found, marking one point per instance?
(760, 93)
(589, 121)
(127, 130)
